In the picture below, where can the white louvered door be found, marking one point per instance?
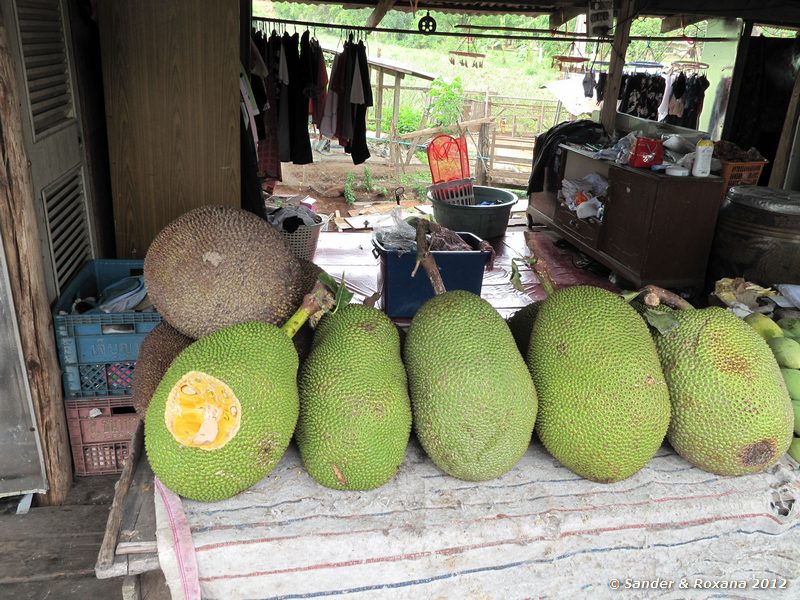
(39, 35)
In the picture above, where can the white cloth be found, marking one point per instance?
(663, 108)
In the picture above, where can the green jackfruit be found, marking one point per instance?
(764, 326)
(731, 413)
(224, 413)
(521, 325)
(603, 402)
(792, 379)
(786, 351)
(473, 400)
(355, 414)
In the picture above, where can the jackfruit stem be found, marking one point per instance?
(540, 266)
(654, 295)
(426, 259)
(317, 302)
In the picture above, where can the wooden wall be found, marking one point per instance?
(171, 73)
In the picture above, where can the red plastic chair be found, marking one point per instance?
(448, 159)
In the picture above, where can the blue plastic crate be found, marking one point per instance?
(98, 352)
(402, 295)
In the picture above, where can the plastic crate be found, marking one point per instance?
(100, 432)
(741, 173)
(98, 352)
(402, 295)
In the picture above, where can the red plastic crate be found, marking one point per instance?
(100, 432)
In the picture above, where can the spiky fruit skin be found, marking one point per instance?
(355, 415)
(159, 348)
(258, 362)
(472, 397)
(216, 266)
(603, 403)
(521, 325)
(731, 413)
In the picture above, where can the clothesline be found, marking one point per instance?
(492, 36)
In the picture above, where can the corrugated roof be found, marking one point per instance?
(776, 12)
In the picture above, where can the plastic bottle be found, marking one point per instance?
(702, 158)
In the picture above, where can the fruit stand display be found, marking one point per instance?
(598, 379)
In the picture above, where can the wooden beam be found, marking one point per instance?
(780, 165)
(379, 12)
(20, 232)
(433, 130)
(608, 114)
(679, 21)
(564, 15)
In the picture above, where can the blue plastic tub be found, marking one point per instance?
(98, 352)
(402, 295)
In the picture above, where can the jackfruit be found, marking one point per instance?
(216, 266)
(224, 413)
(791, 378)
(764, 326)
(472, 397)
(355, 414)
(159, 348)
(731, 413)
(603, 403)
(521, 325)
(786, 351)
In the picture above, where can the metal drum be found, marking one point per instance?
(757, 236)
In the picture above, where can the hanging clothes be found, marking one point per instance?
(641, 95)
(361, 100)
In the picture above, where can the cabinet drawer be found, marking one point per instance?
(587, 230)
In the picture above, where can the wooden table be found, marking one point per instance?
(129, 546)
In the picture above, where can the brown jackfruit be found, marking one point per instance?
(216, 266)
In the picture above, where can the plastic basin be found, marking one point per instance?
(486, 222)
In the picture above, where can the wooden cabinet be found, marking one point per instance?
(656, 229)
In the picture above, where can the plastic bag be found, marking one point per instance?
(395, 234)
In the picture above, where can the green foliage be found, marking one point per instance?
(408, 118)
(367, 182)
(447, 100)
(349, 196)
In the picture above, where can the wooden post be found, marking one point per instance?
(481, 173)
(737, 80)
(26, 271)
(379, 103)
(619, 48)
(395, 149)
(781, 163)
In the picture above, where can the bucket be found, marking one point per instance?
(486, 222)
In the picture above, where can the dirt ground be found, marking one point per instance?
(325, 181)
